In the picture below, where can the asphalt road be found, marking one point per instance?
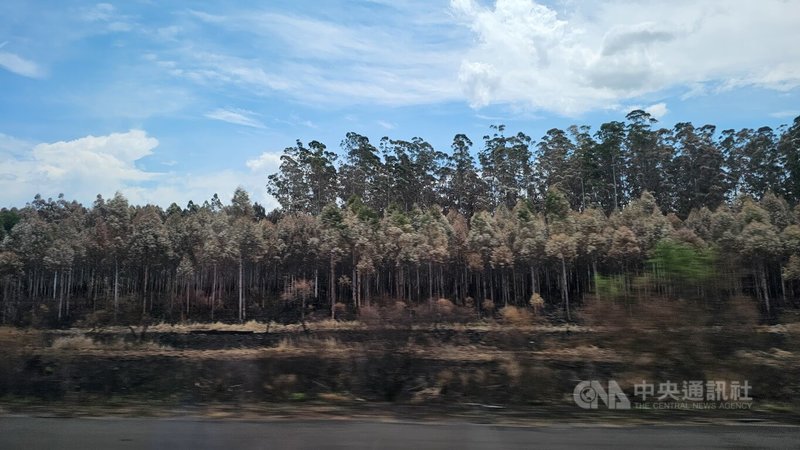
(48, 433)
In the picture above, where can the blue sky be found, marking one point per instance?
(171, 101)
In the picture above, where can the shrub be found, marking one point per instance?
(516, 316)
(537, 303)
(369, 315)
(444, 307)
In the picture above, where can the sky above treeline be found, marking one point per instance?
(172, 101)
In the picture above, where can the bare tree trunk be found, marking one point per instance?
(61, 297)
(55, 283)
(564, 288)
(69, 285)
(144, 292)
(430, 281)
(241, 291)
(116, 287)
(765, 288)
(214, 293)
(187, 299)
(5, 300)
(332, 283)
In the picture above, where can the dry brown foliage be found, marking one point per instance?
(516, 316)
(444, 307)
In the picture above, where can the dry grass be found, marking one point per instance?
(74, 343)
(335, 397)
(579, 353)
(252, 325)
(304, 344)
(81, 343)
(775, 357)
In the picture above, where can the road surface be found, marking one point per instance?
(50, 433)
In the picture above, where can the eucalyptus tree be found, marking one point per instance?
(506, 166)
(298, 247)
(247, 239)
(649, 158)
(458, 253)
(333, 243)
(587, 166)
(150, 245)
(698, 168)
(434, 231)
(562, 242)
(502, 256)
(116, 217)
(363, 173)
(530, 240)
(307, 178)
(593, 237)
(398, 234)
(763, 165)
(760, 243)
(413, 171)
(11, 270)
(610, 157)
(645, 219)
(555, 153)
(481, 241)
(31, 239)
(789, 151)
(217, 248)
(463, 188)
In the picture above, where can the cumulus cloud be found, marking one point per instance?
(658, 110)
(236, 116)
(267, 161)
(598, 55)
(91, 165)
(82, 167)
(198, 187)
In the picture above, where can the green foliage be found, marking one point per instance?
(682, 263)
(610, 287)
(8, 218)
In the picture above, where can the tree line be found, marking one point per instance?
(630, 211)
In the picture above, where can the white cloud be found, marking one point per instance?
(181, 188)
(10, 145)
(267, 161)
(236, 116)
(344, 61)
(91, 165)
(81, 168)
(199, 187)
(598, 55)
(657, 110)
(19, 65)
(107, 14)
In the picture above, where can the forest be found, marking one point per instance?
(629, 212)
